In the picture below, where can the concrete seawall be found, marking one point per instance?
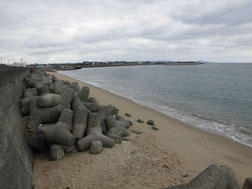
(16, 158)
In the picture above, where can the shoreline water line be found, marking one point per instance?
(202, 123)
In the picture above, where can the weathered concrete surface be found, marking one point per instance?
(14, 76)
(15, 155)
(213, 177)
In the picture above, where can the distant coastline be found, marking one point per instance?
(89, 64)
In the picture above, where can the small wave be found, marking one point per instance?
(231, 131)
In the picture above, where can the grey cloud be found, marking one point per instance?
(65, 31)
(200, 32)
(229, 15)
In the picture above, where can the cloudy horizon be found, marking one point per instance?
(75, 31)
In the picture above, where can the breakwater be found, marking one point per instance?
(15, 155)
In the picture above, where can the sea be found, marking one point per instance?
(216, 97)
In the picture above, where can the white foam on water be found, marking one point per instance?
(229, 131)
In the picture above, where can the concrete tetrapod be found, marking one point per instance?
(65, 82)
(92, 105)
(83, 94)
(24, 104)
(248, 183)
(48, 100)
(65, 120)
(96, 147)
(57, 88)
(213, 177)
(80, 118)
(56, 152)
(77, 104)
(42, 88)
(56, 134)
(67, 93)
(42, 115)
(30, 92)
(124, 123)
(54, 78)
(116, 130)
(94, 133)
(64, 137)
(103, 113)
(36, 143)
(75, 86)
(46, 79)
(67, 97)
(26, 101)
(34, 79)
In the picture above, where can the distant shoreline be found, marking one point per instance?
(76, 66)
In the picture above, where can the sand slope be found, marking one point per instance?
(133, 164)
(154, 159)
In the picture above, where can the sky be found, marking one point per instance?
(57, 31)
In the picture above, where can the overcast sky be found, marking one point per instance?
(72, 31)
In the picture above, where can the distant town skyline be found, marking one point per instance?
(113, 30)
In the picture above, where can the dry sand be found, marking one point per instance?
(154, 159)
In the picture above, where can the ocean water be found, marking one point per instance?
(213, 97)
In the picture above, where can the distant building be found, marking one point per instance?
(19, 64)
(42, 65)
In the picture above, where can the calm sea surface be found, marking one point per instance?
(213, 97)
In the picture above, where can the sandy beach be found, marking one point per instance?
(173, 155)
